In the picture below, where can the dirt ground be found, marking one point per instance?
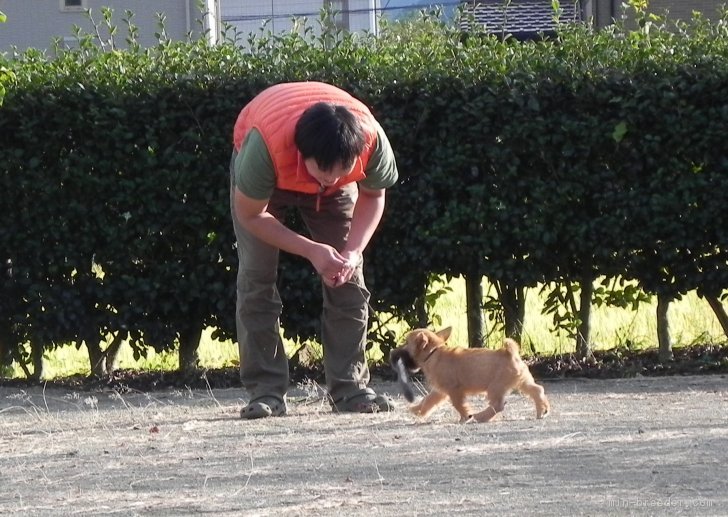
(644, 446)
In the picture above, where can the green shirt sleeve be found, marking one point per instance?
(381, 170)
(254, 173)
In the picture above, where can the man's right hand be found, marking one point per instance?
(328, 263)
(253, 215)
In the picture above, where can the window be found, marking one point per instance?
(73, 5)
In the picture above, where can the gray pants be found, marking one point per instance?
(344, 320)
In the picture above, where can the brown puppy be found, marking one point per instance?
(456, 373)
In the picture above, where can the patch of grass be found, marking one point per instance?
(691, 322)
(69, 360)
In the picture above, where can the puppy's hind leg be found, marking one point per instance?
(536, 392)
(427, 404)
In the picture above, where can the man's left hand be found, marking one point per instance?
(353, 261)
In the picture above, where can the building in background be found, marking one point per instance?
(520, 19)
(528, 19)
(37, 23)
(403, 9)
(603, 12)
(247, 17)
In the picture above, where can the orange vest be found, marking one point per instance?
(274, 113)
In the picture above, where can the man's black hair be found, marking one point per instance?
(330, 134)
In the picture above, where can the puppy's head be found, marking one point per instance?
(418, 345)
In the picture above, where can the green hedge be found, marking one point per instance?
(597, 153)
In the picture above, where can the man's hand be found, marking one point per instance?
(335, 268)
(253, 215)
(353, 261)
(329, 263)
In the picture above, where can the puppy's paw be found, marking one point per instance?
(416, 409)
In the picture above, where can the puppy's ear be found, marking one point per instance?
(444, 334)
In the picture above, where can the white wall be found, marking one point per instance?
(364, 15)
(34, 23)
(249, 16)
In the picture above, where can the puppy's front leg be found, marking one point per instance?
(427, 404)
(536, 392)
(496, 406)
(461, 406)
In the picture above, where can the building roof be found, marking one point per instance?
(523, 19)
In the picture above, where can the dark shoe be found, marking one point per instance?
(263, 407)
(365, 401)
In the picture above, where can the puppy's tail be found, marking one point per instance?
(512, 347)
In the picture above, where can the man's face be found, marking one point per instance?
(326, 178)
